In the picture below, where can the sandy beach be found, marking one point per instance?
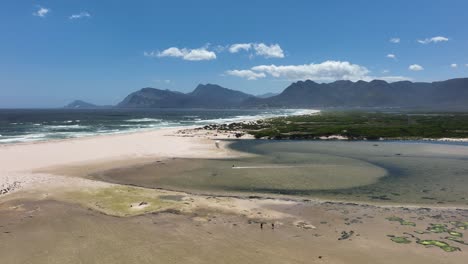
(53, 213)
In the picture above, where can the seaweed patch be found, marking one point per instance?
(440, 244)
(399, 240)
(437, 228)
(460, 225)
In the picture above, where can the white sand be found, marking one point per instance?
(19, 161)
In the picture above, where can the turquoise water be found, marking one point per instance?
(384, 172)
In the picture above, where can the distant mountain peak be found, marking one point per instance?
(80, 104)
(203, 96)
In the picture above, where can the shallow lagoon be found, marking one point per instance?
(390, 172)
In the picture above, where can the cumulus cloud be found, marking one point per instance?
(272, 51)
(186, 54)
(234, 48)
(325, 71)
(247, 74)
(454, 65)
(80, 15)
(433, 40)
(391, 56)
(415, 67)
(42, 12)
(260, 49)
(395, 40)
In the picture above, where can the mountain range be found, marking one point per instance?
(376, 93)
(204, 96)
(451, 93)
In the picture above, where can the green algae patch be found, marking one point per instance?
(400, 220)
(437, 228)
(122, 200)
(460, 225)
(456, 240)
(399, 240)
(421, 232)
(437, 243)
(455, 233)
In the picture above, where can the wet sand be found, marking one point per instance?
(55, 232)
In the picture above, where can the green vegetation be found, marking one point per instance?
(121, 200)
(433, 228)
(437, 228)
(455, 233)
(442, 245)
(400, 220)
(399, 240)
(357, 125)
(460, 225)
(456, 240)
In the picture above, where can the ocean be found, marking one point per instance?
(29, 125)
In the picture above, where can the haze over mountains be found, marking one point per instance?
(309, 94)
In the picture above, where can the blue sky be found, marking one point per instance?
(52, 52)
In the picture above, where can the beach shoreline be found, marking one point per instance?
(51, 186)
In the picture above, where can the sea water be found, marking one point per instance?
(27, 125)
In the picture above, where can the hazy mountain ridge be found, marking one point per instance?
(80, 104)
(204, 96)
(306, 94)
(376, 93)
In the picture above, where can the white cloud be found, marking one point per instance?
(433, 40)
(272, 51)
(199, 54)
(393, 78)
(163, 81)
(415, 67)
(247, 74)
(80, 15)
(395, 40)
(186, 54)
(172, 52)
(42, 12)
(260, 49)
(391, 56)
(325, 71)
(454, 65)
(234, 48)
(385, 71)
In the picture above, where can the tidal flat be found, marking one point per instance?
(388, 172)
(256, 201)
(51, 231)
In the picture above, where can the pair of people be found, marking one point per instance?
(272, 225)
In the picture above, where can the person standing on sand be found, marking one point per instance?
(261, 225)
(272, 225)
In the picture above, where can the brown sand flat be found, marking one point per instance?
(55, 232)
